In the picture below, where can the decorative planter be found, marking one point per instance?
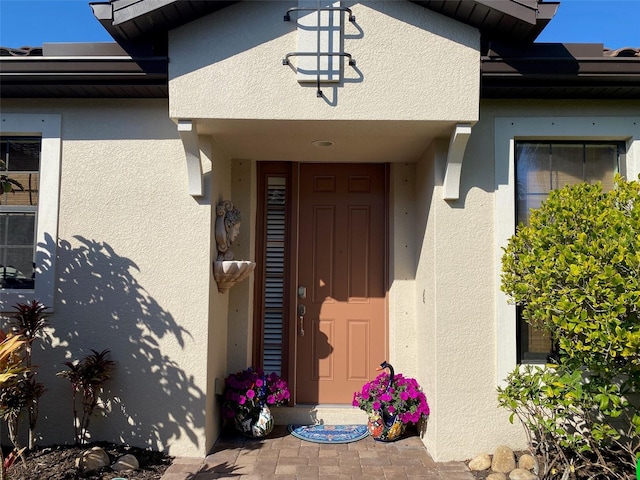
(257, 425)
(229, 272)
(384, 427)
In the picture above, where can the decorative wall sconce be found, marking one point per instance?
(226, 270)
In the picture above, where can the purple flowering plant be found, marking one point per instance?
(246, 392)
(404, 398)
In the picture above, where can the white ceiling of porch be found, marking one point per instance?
(353, 141)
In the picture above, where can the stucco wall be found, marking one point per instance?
(464, 349)
(240, 337)
(455, 308)
(133, 276)
(411, 63)
(403, 346)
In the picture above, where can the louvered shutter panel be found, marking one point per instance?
(273, 338)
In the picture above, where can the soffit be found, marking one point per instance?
(516, 21)
(142, 25)
(567, 71)
(81, 70)
(353, 140)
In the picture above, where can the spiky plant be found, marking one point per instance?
(29, 320)
(11, 368)
(87, 378)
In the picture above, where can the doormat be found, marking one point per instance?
(329, 433)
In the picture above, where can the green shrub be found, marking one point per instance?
(575, 271)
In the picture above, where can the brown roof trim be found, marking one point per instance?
(83, 71)
(141, 26)
(569, 71)
(516, 21)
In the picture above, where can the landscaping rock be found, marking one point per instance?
(92, 460)
(496, 476)
(527, 462)
(504, 460)
(480, 462)
(522, 474)
(126, 463)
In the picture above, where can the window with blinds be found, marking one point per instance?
(540, 168)
(19, 192)
(274, 286)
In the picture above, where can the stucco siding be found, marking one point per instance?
(411, 64)
(402, 320)
(132, 276)
(470, 344)
(466, 344)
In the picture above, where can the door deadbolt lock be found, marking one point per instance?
(302, 292)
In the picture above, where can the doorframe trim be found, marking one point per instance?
(291, 170)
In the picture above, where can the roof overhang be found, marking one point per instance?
(83, 70)
(508, 70)
(141, 26)
(516, 21)
(554, 70)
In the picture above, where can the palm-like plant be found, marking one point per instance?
(87, 378)
(11, 368)
(8, 184)
(29, 321)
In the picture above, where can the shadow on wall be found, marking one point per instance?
(99, 305)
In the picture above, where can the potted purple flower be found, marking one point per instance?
(247, 397)
(392, 401)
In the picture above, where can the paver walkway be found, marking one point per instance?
(284, 457)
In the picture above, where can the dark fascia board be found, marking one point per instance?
(142, 25)
(83, 70)
(518, 21)
(560, 71)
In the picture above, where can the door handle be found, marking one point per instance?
(301, 311)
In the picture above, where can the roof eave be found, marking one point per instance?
(83, 77)
(553, 71)
(142, 26)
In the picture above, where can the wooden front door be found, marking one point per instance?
(341, 330)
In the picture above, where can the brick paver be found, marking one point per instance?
(281, 456)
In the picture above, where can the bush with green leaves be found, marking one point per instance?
(575, 272)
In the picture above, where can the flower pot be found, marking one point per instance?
(255, 424)
(384, 427)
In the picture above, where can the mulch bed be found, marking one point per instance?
(58, 463)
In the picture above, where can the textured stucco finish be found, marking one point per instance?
(132, 275)
(410, 63)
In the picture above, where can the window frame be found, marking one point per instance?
(48, 128)
(521, 330)
(15, 208)
(266, 170)
(508, 130)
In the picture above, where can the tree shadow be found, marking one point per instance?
(100, 304)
